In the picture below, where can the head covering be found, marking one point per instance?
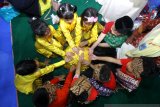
(81, 85)
(137, 67)
(124, 24)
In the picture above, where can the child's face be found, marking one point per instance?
(129, 68)
(69, 21)
(48, 32)
(86, 23)
(114, 31)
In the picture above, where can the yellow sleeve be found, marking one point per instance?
(94, 35)
(67, 34)
(58, 36)
(44, 6)
(78, 32)
(48, 69)
(51, 47)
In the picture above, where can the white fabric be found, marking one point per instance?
(55, 19)
(114, 9)
(100, 1)
(121, 52)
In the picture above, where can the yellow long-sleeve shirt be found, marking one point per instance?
(24, 83)
(48, 46)
(44, 6)
(67, 28)
(88, 33)
(57, 35)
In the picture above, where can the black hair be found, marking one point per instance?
(41, 98)
(38, 26)
(80, 98)
(88, 12)
(66, 11)
(105, 73)
(149, 67)
(124, 25)
(26, 67)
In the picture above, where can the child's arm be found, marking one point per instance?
(51, 47)
(107, 59)
(94, 35)
(57, 35)
(67, 35)
(48, 69)
(103, 45)
(78, 32)
(100, 38)
(78, 71)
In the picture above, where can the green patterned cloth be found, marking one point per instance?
(114, 40)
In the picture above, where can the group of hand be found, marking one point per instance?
(69, 55)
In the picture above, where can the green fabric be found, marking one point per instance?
(114, 40)
(23, 48)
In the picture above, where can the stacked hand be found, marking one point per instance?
(69, 56)
(93, 57)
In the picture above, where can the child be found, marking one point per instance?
(50, 95)
(104, 75)
(27, 71)
(114, 33)
(81, 90)
(129, 76)
(45, 43)
(34, 7)
(68, 17)
(87, 27)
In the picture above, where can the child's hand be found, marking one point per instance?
(69, 54)
(73, 68)
(93, 57)
(81, 57)
(84, 43)
(76, 50)
(68, 59)
(90, 51)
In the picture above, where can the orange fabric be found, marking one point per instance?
(62, 94)
(93, 93)
(111, 83)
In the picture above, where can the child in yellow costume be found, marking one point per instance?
(74, 57)
(68, 18)
(45, 43)
(27, 71)
(87, 27)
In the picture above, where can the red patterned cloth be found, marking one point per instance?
(146, 27)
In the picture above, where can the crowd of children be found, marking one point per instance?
(93, 68)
